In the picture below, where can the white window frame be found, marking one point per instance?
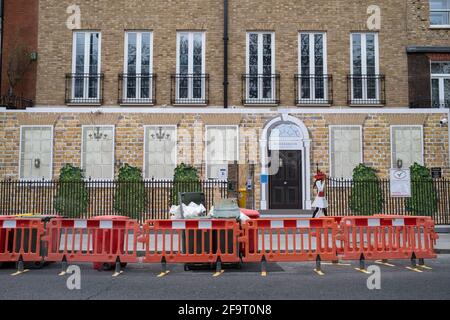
(190, 100)
(438, 26)
(206, 146)
(441, 77)
(146, 127)
(364, 66)
(330, 128)
(113, 150)
(260, 66)
(312, 70)
(139, 34)
(394, 161)
(87, 35)
(51, 153)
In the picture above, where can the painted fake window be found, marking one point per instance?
(98, 152)
(345, 150)
(36, 153)
(407, 145)
(221, 149)
(160, 152)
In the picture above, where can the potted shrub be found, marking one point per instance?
(423, 199)
(366, 197)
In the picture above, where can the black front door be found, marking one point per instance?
(284, 187)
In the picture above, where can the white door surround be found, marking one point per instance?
(304, 145)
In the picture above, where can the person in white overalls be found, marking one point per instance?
(320, 203)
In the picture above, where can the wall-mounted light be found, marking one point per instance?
(37, 163)
(399, 163)
(34, 56)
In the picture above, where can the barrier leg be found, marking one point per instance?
(263, 267)
(318, 268)
(384, 262)
(20, 267)
(362, 265)
(413, 266)
(117, 270)
(164, 270)
(63, 266)
(423, 265)
(219, 270)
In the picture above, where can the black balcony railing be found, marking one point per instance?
(190, 89)
(84, 88)
(15, 102)
(137, 89)
(261, 89)
(427, 103)
(313, 89)
(366, 89)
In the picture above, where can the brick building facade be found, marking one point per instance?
(337, 91)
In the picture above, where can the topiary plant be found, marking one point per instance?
(72, 196)
(366, 197)
(185, 179)
(423, 199)
(130, 198)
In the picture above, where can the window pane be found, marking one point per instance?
(356, 47)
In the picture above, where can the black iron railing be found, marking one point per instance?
(15, 102)
(137, 89)
(151, 199)
(84, 88)
(430, 104)
(366, 89)
(190, 89)
(350, 198)
(313, 89)
(263, 89)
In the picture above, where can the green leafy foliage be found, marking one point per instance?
(423, 199)
(130, 198)
(185, 179)
(72, 196)
(366, 197)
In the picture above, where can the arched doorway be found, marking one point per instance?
(285, 164)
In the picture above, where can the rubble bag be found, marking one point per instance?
(109, 241)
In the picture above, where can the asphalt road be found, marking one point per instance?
(284, 281)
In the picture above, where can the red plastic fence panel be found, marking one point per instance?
(290, 240)
(387, 237)
(20, 238)
(101, 241)
(191, 241)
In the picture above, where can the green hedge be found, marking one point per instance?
(366, 197)
(130, 198)
(185, 179)
(72, 196)
(423, 199)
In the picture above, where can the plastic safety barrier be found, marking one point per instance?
(97, 241)
(387, 237)
(290, 240)
(191, 241)
(20, 239)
